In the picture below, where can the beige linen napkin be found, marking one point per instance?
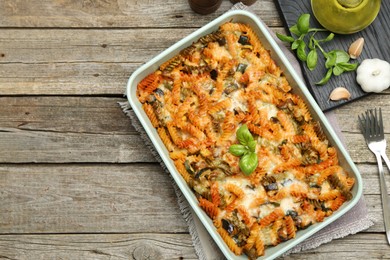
(352, 222)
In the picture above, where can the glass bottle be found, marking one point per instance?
(345, 16)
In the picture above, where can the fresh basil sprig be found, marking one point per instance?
(337, 61)
(246, 150)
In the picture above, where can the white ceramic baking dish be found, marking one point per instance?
(298, 88)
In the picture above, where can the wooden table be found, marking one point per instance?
(76, 181)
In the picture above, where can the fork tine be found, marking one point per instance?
(361, 122)
(375, 123)
(368, 124)
(381, 130)
(371, 124)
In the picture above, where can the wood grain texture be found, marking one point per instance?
(97, 246)
(376, 46)
(78, 62)
(360, 246)
(88, 199)
(68, 129)
(348, 115)
(117, 13)
(164, 246)
(92, 115)
(18, 146)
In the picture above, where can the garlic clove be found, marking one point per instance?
(356, 48)
(339, 94)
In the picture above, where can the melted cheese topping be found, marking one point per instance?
(288, 204)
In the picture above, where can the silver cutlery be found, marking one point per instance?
(372, 129)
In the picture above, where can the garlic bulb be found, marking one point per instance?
(373, 75)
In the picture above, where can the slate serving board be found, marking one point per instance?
(377, 45)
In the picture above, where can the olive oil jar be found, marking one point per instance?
(345, 16)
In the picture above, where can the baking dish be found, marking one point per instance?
(298, 88)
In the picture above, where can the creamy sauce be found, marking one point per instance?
(266, 209)
(237, 101)
(288, 204)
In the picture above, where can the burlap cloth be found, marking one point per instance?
(355, 220)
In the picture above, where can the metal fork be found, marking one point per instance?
(372, 129)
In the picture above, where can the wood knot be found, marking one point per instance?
(144, 251)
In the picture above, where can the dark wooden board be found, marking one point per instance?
(377, 45)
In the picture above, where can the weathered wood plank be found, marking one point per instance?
(120, 13)
(69, 46)
(115, 198)
(369, 173)
(61, 130)
(359, 246)
(40, 46)
(19, 146)
(88, 199)
(165, 246)
(348, 114)
(65, 78)
(78, 61)
(93, 115)
(375, 212)
(97, 246)
(357, 148)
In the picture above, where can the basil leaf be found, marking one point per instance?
(243, 135)
(326, 78)
(341, 56)
(312, 58)
(348, 66)
(331, 60)
(285, 38)
(337, 70)
(301, 51)
(327, 39)
(252, 145)
(295, 44)
(294, 29)
(303, 23)
(248, 163)
(238, 149)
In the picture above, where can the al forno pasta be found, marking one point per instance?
(200, 98)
